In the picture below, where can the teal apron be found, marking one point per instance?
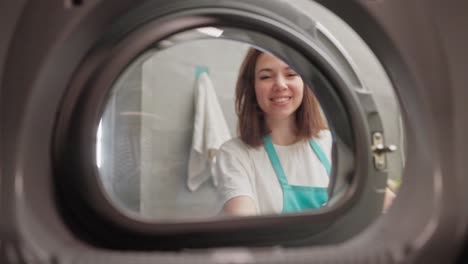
(298, 198)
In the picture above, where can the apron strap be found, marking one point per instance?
(322, 157)
(270, 149)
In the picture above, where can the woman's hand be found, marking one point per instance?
(240, 206)
(388, 199)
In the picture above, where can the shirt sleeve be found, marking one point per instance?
(234, 172)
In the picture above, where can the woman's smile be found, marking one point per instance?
(281, 100)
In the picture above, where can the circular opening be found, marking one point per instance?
(173, 178)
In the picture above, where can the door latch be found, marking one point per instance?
(379, 150)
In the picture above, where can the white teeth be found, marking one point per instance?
(280, 100)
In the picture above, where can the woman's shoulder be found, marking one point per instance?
(324, 134)
(237, 147)
(234, 145)
(235, 150)
(234, 142)
(325, 137)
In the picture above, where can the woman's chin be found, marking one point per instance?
(278, 116)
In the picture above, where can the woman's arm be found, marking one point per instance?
(240, 206)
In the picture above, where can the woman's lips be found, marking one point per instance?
(281, 100)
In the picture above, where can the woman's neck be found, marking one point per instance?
(283, 131)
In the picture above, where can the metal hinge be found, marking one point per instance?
(379, 150)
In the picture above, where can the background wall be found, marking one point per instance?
(168, 89)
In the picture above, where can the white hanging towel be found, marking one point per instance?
(210, 131)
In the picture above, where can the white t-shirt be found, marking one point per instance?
(246, 171)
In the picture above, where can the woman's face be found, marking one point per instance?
(278, 88)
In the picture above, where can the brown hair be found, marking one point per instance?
(252, 126)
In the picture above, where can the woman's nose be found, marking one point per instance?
(280, 83)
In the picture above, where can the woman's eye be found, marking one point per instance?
(264, 77)
(292, 75)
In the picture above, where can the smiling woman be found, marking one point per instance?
(249, 135)
(281, 162)
(154, 163)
